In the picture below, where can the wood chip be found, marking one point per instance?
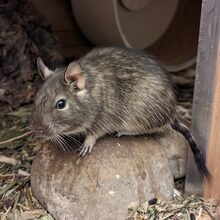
(27, 215)
(23, 173)
(8, 160)
(179, 208)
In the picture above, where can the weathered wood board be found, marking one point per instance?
(206, 104)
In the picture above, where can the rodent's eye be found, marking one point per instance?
(60, 104)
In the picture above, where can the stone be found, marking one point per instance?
(118, 172)
(176, 149)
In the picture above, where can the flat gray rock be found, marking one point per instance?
(102, 185)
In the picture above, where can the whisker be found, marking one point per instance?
(72, 140)
(56, 142)
(65, 144)
(60, 143)
(53, 142)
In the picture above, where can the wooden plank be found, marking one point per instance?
(205, 122)
(212, 189)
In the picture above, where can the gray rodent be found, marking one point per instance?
(110, 89)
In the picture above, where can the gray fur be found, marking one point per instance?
(126, 91)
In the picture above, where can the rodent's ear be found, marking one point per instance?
(43, 69)
(74, 75)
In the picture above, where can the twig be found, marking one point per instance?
(16, 201)
(168, 216)
(210, 215)
(16, 138)
(28, 196)
(7, 175)
(6, 213)
(8, 160)
(24, 207)
(23, 173)
(6, 188)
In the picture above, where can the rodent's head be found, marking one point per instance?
(61, 104)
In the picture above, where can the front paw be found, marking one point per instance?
(87, 145)
(85, 149)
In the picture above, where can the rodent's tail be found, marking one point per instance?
(200, 162)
